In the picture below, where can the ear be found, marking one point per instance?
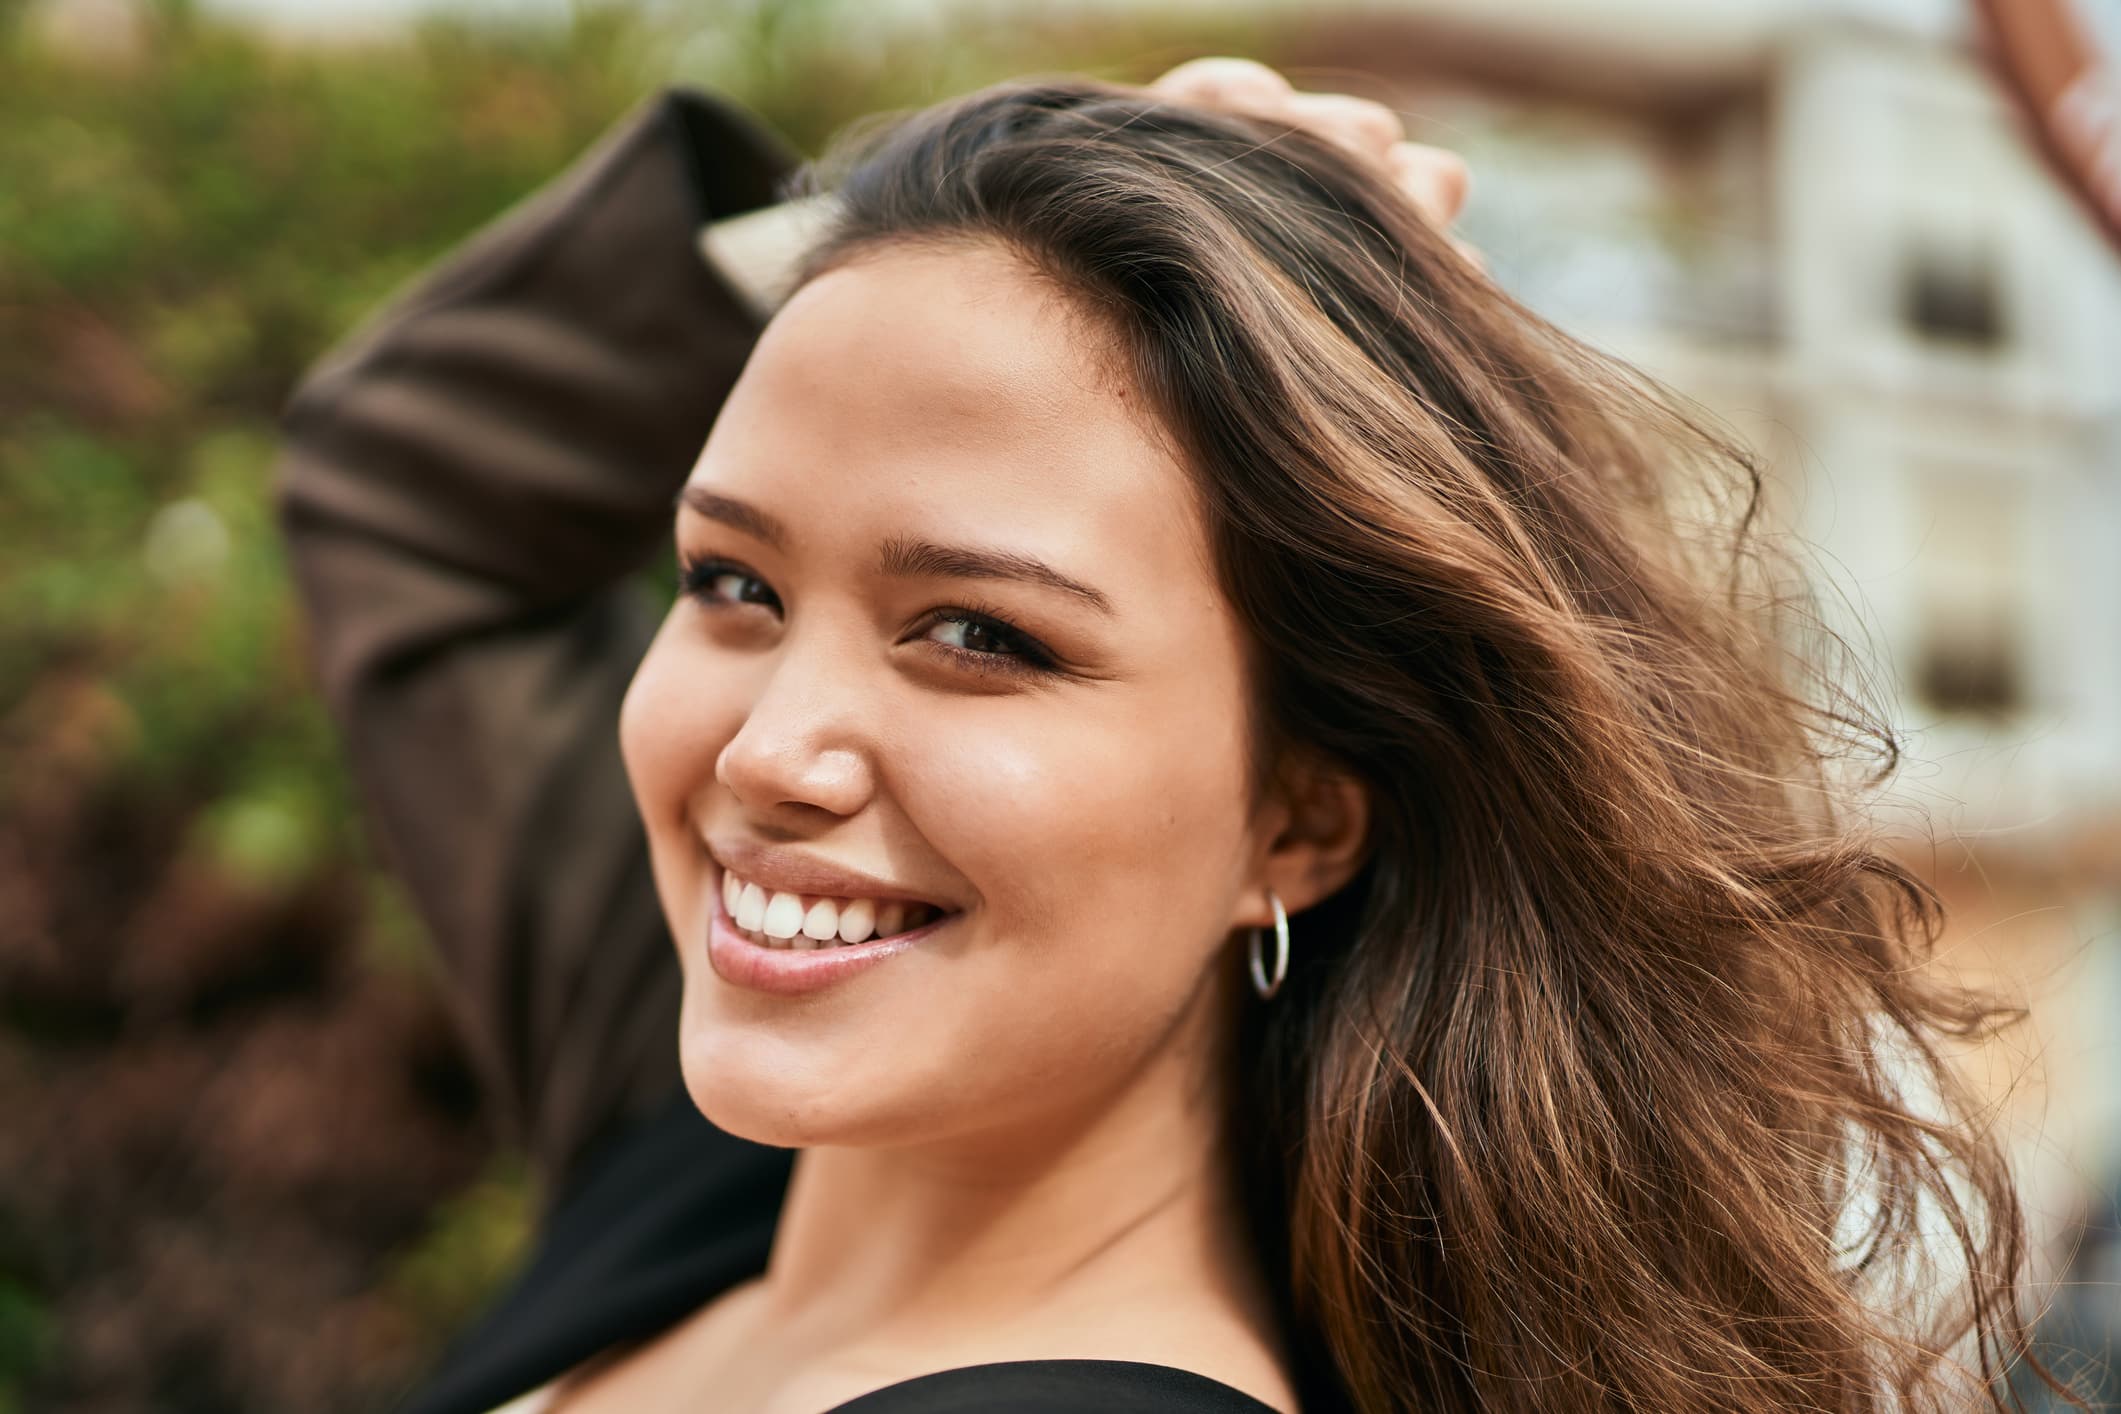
(1314, 835)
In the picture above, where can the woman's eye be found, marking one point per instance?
(719, 582)
(979, 641)
(974, 637)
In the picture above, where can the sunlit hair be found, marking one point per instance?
(1612, 1080)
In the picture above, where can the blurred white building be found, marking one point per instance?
(1824, 222)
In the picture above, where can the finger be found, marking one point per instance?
(1367, 127)
(1435, 177)
(1226, 83)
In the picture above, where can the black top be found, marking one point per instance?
(673, 1213)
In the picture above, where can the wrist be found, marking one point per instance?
(759, 252)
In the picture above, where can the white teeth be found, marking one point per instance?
(782, 920)
(784, 916)
(857, 920)
(822, 922)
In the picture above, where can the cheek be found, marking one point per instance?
(1104, 841)
(1105, 835)
(670, 731)
(649, 739)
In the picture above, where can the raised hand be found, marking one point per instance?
(1434, 177)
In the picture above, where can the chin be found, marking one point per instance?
(747, 1086)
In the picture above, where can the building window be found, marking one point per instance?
(1969, 649)
(1953, 295)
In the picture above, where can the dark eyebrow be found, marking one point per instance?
(902, 556)
(741, 515)
(905, 557)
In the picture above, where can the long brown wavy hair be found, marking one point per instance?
(1613, 1081)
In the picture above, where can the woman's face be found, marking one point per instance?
(951, 624)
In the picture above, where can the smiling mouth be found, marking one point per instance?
(784, 921)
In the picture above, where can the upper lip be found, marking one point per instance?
(784, 870)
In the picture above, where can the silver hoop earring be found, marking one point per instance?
(1260, 981)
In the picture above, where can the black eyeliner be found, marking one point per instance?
(695, 574)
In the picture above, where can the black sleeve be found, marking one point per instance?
(467, 488)
(668, 1215)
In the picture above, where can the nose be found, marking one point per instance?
(801, 750)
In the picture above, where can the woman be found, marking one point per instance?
(1192, 776)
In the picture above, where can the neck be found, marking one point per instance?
(1133, 1192)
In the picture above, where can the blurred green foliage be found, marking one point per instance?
(182, 229)
(187, 219)
(474, 1240)
(192, 929)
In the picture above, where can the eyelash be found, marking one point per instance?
(696, 579)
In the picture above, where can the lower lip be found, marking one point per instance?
(791, 972)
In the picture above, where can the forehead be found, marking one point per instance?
(955, 383)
